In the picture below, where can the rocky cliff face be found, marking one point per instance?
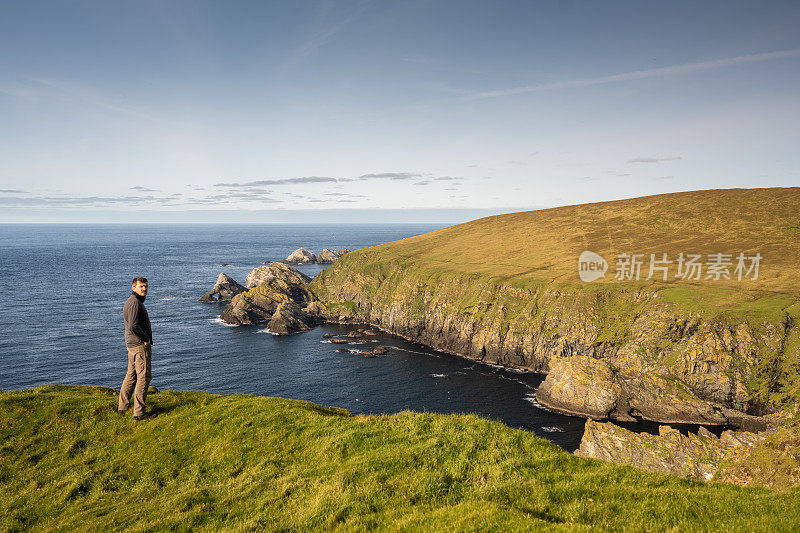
(688, 455)
(593, 388)
(723, 360)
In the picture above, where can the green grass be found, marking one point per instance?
(773, 463)
(530, 248)
(69, 462)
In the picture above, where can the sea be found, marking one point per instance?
(62, 288)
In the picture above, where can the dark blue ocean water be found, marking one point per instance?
(61, 293)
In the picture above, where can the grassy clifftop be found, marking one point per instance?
(535, 247)
(68, 461)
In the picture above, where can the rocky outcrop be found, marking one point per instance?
(581, 386)
(288, 318)
(224, 289)
(279, 298)
(277, 270)
(327, 257)
(686, 455)
(301, 256)
(666, 400)
(595, 389)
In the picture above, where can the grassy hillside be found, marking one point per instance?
(505, 290)
(543, 246)
(69, 462)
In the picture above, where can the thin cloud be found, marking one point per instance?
(666, 177)
(395, 176)
(344, 195)
(95, 201)
(13, 191)
(305, 179)
(390, 176)
(641, 74)
(652, 159)
(143, 189)
(72, 201)
(423, 183)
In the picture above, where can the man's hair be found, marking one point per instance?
(138, 279)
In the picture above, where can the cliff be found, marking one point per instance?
(506, 290)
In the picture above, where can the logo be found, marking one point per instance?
(591, 266)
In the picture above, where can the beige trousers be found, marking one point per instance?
(137, 378)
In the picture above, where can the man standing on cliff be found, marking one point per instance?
(139, 340)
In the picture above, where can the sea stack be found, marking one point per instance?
(301, 256)
(224, 290)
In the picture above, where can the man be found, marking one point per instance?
(139, 340)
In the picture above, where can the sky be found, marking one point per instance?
(369, 111)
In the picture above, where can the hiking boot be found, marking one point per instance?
(146, 416)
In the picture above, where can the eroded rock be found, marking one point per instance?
(224, 289)
(301, 256)
(273, 271)
(580, 386)
(593, 388)
(741, 438)
(690, 456)
(289, 318)
(666, 400)
(276, 295)
(326, 257)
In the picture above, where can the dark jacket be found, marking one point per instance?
(137, 323)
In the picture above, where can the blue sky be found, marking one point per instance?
(320, 110)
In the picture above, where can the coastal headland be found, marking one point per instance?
(686, 311)
(695, 319)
